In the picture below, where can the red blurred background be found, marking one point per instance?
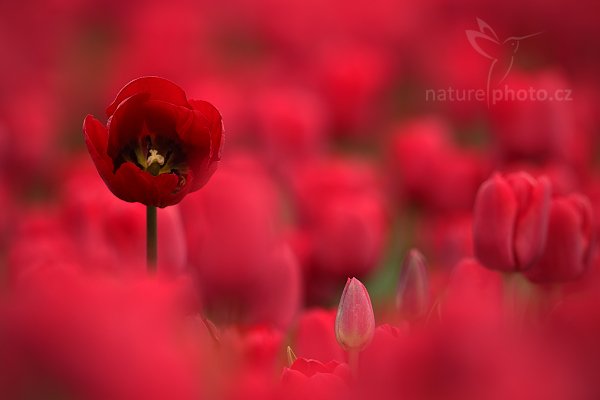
(334, 162)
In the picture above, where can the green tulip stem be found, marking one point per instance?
(151, 239)
(353, 356)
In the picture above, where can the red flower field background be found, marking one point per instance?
(383, 199)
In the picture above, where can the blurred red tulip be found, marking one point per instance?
(343, 222)
(550, 130)
(291, 124)
(474, 299)
(563, 177)
(447, 238)
(110, 234)
(157, 146)
(245, 271)
(71, 334)
(430, 170)
(257, 346)
(352, 77)
(510, 221)
(311, 379)
(569, 246)
(315, 336)
(39, 242)
(28, 140)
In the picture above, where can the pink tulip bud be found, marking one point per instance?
(413, 297)
(510, 221)
(355, 321)
(568, 248)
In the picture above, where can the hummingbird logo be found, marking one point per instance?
(501, 53)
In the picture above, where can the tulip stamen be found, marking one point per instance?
(155, 157)
(154, 162)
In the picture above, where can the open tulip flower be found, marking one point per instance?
(157, 145)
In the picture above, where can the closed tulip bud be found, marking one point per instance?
(510, 221)
(355, 321)
(413, 297)
(569, 245)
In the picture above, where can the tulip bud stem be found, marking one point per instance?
(151, 238)
(517, 296)
(353, 356)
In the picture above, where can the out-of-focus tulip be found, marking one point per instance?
(355, 321)
(311, 379)
(474, 298)
(447, 239)
(446, 361)
(430, 170)
(245, 271)
(562, 177)
(158, 146)
(29, 140)
(93, 337)
(290, 123)
(592, 191)
(351, 78)
(315, 336)
(39, 242)
(540, 130)
(257, 347)
(110, 235)
(245, 362)
(343, 222)
(569, 246)
(510, 221)
(413, 297)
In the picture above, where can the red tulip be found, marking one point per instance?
(447, 239)
(473, 299)
(290, 124)
(343, 222)
(355, 321)
(569, 245)
(157, 145)
(315, 336)
(94, 337)
(430, 170)
(351, 79)
(312, 379)
(246, 272)
(541, 130)
(510, 220)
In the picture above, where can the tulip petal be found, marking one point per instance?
(215, 120)
(126, 124)
(566, 255)
(132, 184)
(182, 124)
(494, 218)
(156, 88)
(96, 138)
(533, 197)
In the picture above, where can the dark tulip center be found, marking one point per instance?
(155, 155)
